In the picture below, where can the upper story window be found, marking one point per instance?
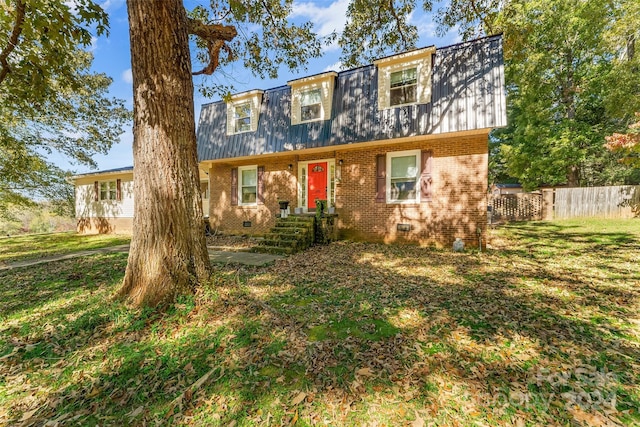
(108, 190)
(405, 79)
(310, 105)
(243, 112)
(311, 98)
(242, 117)
(403, 87)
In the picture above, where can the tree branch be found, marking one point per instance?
(13, 40)
(216, 36)
(398, 26)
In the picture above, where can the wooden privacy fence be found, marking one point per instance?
(515, 207)
(606, 202)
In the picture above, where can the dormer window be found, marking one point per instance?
(310, 105)
(403, 87)
(311, 98)
(242, 117)
(405, 79)
(243, 112)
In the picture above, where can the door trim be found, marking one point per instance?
(303, 187)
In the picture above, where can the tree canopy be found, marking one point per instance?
(50, 98)
(572, 78)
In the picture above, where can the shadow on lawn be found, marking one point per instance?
(352, 325)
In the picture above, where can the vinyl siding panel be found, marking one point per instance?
(88, 207)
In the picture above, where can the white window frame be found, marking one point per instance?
(108, 190)
(236, 118)
(393, 154)
(303, 182)
(319, 104)
(416, 84)
(240, 185)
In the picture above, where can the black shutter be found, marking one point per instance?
(426, 180)
(234, 187)
(381, 178)
(96, 191)
(260, 189)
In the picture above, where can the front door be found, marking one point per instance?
(317, 183)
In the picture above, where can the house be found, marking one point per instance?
(104, 200)
(399, 148)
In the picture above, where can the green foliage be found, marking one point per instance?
(267, 39)
(568, 86)
(51, 100)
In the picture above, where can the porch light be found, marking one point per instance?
(290, 167)
(339, 170)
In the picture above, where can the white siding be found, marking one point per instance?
(88, 207)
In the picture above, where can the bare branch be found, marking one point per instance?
(13, 40)
(216, 36)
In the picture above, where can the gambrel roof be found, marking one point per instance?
(467, 93)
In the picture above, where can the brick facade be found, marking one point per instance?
(457, 209)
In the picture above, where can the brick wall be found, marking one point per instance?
(100, 225)
(457, 209)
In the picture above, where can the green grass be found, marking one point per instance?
(544, 329)
(26, 247)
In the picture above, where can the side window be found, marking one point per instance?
(310, 105)
(242, 117)
(108, 190)
(248, 185)
(403, 177)
(403, 87)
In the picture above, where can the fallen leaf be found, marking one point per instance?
(365, 372)
(28, 415)
(299, 398)
(136, 412)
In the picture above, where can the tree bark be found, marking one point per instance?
(168, 254)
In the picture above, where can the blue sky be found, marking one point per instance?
(112, 58)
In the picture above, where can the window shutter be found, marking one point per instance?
(426, 181)
(260, 185)
(234, 187)
(96, 191)
(118, 189)
(381, 178)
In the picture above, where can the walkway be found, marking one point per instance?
(216, 256)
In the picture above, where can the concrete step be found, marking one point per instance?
(278, 250)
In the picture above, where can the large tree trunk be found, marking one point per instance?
(168, 253)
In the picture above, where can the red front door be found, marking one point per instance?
(317, 183)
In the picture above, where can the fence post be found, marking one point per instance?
(547, 203)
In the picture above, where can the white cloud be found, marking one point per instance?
(94, 44)
(127, 76)
(336, 66)
(326, 20)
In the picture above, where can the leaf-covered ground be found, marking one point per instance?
(33, 246)
(544, 329)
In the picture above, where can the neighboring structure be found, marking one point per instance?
(502, 189)
(104, 200)
(399, 147)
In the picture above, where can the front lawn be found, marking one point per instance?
(542, 330)
(33, 246)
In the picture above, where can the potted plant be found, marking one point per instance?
(332, 208)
